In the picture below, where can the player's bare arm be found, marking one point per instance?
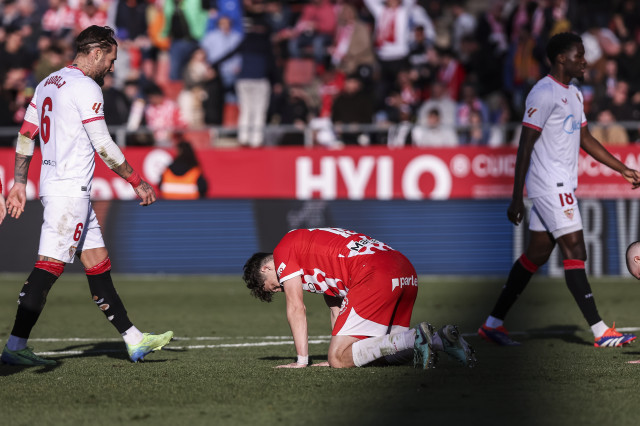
(528, 138)
(297, 318)
(334, 304)
(17, 198)
(3, 205)
(595, 149)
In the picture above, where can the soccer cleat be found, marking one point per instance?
(150, 342)
(423, 353)
(612, 338)
(456, 347)
(24, 357)
(498, 335)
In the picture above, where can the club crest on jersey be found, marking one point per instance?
(569, 213)
(531, 111)
(281, 268)
(343, 307)
(96, 107)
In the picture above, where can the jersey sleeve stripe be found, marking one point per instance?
(32, 104)
(531, 126)
(89, 120)
(288, 277)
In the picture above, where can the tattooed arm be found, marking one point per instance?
(18, 195)
(142, 188)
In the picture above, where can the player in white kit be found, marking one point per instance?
(554, 129)
(67, 113)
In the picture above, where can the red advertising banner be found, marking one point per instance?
(350, 173)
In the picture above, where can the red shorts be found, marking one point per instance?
(380, 298)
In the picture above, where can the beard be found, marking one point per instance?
(100, 80)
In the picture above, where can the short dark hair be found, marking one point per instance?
(253, 277)
(561, 43)
(95, 36)
(627, 257)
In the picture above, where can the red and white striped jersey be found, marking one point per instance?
(327, 260)
(63, 102)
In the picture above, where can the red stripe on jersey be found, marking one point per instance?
(531, 126)
(29, 129)
(560, 83)
(75, 68)
(0, 187)
(100, 268)
(573, 264)
(584, 124)
(32, 104)
(89, 120)
(54, 268)
(527, 264)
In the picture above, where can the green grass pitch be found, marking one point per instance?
(219, 369)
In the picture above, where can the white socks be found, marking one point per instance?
(132, 336)
(599, 328)
(16, 343)
(368, 350)
(493, 322)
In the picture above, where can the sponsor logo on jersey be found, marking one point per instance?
(56, 80)
(96, 107)
(570, 125)
(564, 100)
(49, 163)
(531, 111)
(569, 213)
(403, 281)
(281, 268)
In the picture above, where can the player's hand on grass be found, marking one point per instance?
(146, 193)
(321, 364)
(515, 212)
(16, 200)
(633, 177)
(292, 365)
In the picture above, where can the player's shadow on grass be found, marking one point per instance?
(315, 359)
(9, 370)
(566, 333)
(115, 350)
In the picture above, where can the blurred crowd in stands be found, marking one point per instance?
(428, 72)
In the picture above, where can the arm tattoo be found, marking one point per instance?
(21, 168)
(124, 170)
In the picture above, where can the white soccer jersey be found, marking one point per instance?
(557, 111)
(63, 102)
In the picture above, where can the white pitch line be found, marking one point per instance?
(197, 338)
(182, 348)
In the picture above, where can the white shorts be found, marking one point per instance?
(556, 213)
(69, 225)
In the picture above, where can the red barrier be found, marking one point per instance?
(350, 173)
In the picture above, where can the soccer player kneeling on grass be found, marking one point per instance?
(370, 290)
(67, 111)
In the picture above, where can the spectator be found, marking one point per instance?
(131, 19)
(221, 47)
(434, 133)
(197, 73)
(352, 48)
(450, 72)
(315, 27)
(162, 116)
(464, 24)
(608, 131)
(258, 73)
(183, 179)
(629, 64)
(116, 103)
(58, 20)
(620, 104)
(185, 25)
(391, 36)
(439, 99)
(230, 9)
(13, 54)
(295, 112)
(473, 114)
(89, 15)
(352, 106)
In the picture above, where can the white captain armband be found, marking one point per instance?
(25, 145)
(103, 144)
